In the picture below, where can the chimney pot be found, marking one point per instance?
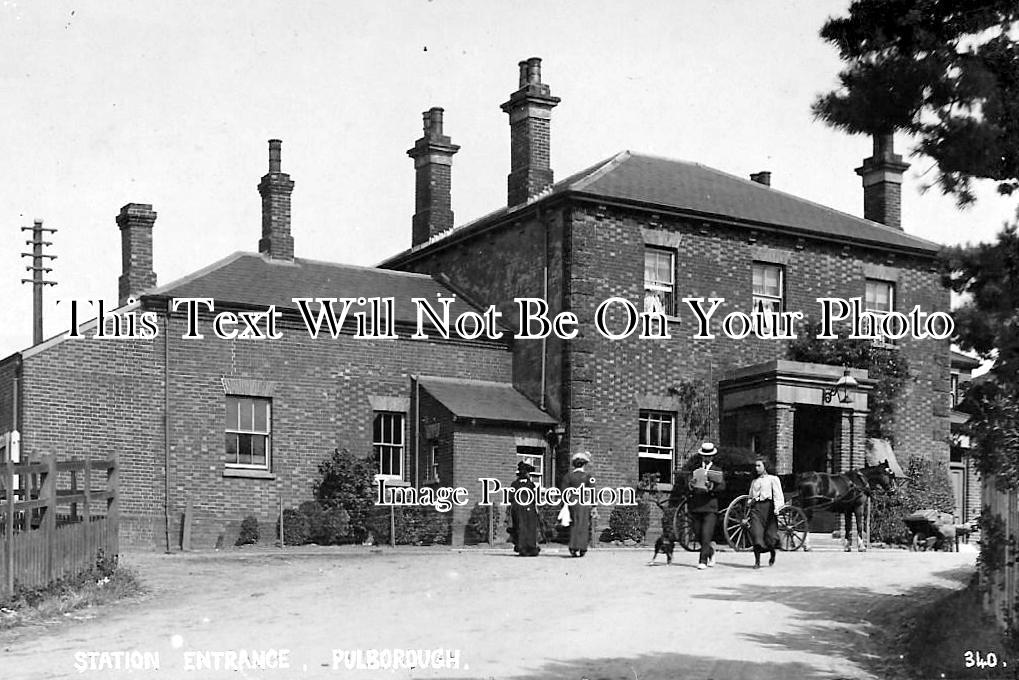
(523, 73)
(762, 177)
(534, 70)
(274, 155)
(433, 122)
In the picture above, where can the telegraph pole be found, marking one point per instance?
(38, 274)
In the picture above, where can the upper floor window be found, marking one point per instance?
(656, 450)
(659, 281)
(248, 432)
(388, 444)
(768, 289)
(954, 396)
(879, 298)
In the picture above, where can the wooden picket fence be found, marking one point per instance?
(55, 523)
(1001, 592)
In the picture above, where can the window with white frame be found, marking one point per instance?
(535, 457)
(656, 451)
(768, 291)
(659, 281)
(248, 433)
(954, 396)
(388, 444)
(433, 461)
(879, 298)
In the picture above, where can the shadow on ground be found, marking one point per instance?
(870, 628)
(664, 667)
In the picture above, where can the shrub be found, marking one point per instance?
(477, 524)
(628, 522)
(415, 525)
(295, 527)
(249, 531)
(347, 481)
(927, 485)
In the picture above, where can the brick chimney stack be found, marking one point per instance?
(433, 165)
(135, 221)
(530, 114)
(882, 183)
(762, 177)
(275, 189)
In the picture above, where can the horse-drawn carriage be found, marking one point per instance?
(847, 492)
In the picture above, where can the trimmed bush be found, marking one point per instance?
(415, 525)
(927, 486)
(347, 481)
(249, 531)
(628, 522)
(296, 527)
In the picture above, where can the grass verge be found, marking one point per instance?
(946, 630)
(91, 589)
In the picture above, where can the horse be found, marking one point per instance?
(847, 492)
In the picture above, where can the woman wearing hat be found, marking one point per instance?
(524, 515)
(580, 515)
(705, 483)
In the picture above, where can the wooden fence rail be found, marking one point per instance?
(49, 533)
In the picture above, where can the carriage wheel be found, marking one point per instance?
(792, 528)
(684, 529)
(737, 523)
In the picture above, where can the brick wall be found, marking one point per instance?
(607, 377)
(508, 263)
(105, 397)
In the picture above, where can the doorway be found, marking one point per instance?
(816, 431)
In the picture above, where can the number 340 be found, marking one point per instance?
(981, 660)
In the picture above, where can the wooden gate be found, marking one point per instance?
(55, 521)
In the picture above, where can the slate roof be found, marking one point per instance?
(697, 190)
(259, 281)
(484, 400)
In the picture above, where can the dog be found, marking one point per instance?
(665, 545)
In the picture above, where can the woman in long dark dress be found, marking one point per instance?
(580, 515)
(765, 498)
(524, 515)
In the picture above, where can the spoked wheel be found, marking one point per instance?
(684, 529)
(792, 528)
(737, 524)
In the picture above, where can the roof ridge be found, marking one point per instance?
(828, 208)
(188, 278)
(375, 268)
(596, 172)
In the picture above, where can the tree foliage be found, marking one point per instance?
(943, 70)
(885, 366)
(926, 485)
(987, 275)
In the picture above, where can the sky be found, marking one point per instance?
(109, 103)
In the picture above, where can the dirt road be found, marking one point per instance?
(491, 614)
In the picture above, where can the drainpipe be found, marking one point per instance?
(544, 296)
(417, 432)
(166, 429)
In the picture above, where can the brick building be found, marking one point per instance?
(237, 426)
(653, 231)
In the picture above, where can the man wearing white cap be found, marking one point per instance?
(705, 483)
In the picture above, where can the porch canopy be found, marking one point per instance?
(778, 408)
